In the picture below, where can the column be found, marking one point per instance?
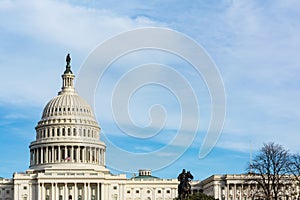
(53, 154)
(83, 154)
(46, 155)
(102, 191)
(75, 191)
(78, 154)
(227, 191)
(234, 192)
(98, 155)
(66, 152)
(43, 191)
(93, 154)
(42, 155)
(59, 153)
(103, 157)
(65, 191)
(39, 190)
(89, 191)
(85, 191)
(56, 192)
(38, 156)
(90, 150)
(34, 157)
(72, 153)
(30, 157)
(52, 197)
(98, 191)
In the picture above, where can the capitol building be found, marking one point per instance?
(67, 159)
(67, 162)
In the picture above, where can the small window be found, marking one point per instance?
(168, 192)
(128, 191)
(115, 187)
(158, 191)
(25, 188)
(137, 191)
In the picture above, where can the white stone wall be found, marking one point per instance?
(6, 189)
(236, 187)
(160, 189)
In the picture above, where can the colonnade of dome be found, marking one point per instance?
(51, 154)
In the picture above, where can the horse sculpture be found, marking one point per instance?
(184, 188)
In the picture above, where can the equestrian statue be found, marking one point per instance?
(184, 187)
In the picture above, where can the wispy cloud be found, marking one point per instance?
(255, 45)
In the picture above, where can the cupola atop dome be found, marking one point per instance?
(67, 77)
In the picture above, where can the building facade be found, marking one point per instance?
(243, 187)
(67, 162)
(67, 159)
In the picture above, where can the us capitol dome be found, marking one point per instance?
(68, 133)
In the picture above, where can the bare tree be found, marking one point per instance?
(295, 166)
(270, 169)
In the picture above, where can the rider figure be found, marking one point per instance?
(181, 177)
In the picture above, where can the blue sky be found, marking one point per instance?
(254, 44)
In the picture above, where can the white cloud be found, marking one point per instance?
(38, 35)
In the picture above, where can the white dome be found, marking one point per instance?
(67, 104)
(68, 134)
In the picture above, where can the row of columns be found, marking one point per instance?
(59, 154)
(247, 191)
(63, 131)
(72, 191)
(241, 191)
